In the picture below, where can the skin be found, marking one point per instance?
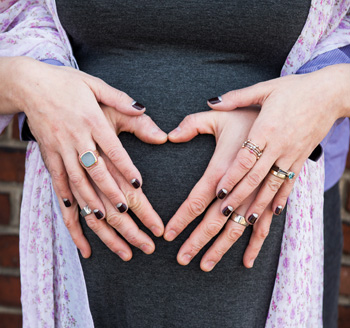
(296, 114)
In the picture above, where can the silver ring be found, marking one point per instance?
(240, 219)
(85, 211)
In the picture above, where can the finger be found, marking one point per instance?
(70, 217)
(192, 125)
(252, 95)
(124, 224)
(199, 198)
(112, 147)
(267, 192)
(104, 181)
(209, 227)
(112, 97)
(261, 230)
(79, 182)
(250, 181)
(232, 232)
(105, 232)
(59, 178)
(144, 128)
(280, 200)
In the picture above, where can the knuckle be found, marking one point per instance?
(131, 237)
(92, 224)
(263, 233)
(212, 229)
(98, 174)
(233, 234)
(68, 223)
(196, 206)
(189, 119)
(115, 220)
(195, 247)
(219, 253)
(253, 179)
(58, 176)
(245, 162)
(113, 154)
(235, 200)
(273, 185)
(133, 201)
(76, 178)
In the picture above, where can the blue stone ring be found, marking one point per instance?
(89, 158)
(282, 174)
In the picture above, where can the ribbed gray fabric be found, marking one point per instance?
(171, 56)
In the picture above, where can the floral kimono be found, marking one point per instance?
(53, 286)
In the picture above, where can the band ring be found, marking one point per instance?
(253, 148)
(282, 174)
(89, 158)
(85, 211)
(239, 219)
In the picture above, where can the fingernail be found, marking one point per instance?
(67, 202)
(147, 249)
(136, 183)
(251, 263)
(123, 255)
(170, 235)
(227, 210)
(215, 100)
(98, 214)
(121, 207)
(252, 218)
(175, 132)
(278, 210)
(222, 193)
(186, 259)
(156, 231)
(137, 105)
(208, 266)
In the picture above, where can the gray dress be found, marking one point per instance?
(171, 56)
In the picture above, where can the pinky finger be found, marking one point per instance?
(70, 217)
(280, 199)
(261, 230)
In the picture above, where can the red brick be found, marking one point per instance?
(346, 233)
(15, 129)
(10, 291)
(344, 317)
(10, 320)
(5, 206)
(12, 164)
(9, 251)
(345, 280)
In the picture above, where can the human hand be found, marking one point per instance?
(67, 101)
(230, 132)
(146, 130)
(296, 114)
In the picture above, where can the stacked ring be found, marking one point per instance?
(239, 219)
(89, 158)
(253, 148)
(282, 174)
(85, 211)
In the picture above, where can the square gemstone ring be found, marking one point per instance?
(88, 158)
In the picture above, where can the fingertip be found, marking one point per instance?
(158, 136)
(85, 252)
(157, 231)
(170, 235)
(172, 135)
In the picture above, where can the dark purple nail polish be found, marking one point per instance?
(136, 183)
(67, 202)
(98, 214)
(121, 207)
(215, 100)
(252, 218)
(222, 193)
(227, 210)
(137, 105)
(278, 210)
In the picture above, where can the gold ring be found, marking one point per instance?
(253, 148)
(239, 219)
(89, 158)
(282, 174)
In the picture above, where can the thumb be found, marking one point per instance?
(144, 128)
(192, 125)
(112, 97)
(253, 95)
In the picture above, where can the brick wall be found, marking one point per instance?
(12, 154)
